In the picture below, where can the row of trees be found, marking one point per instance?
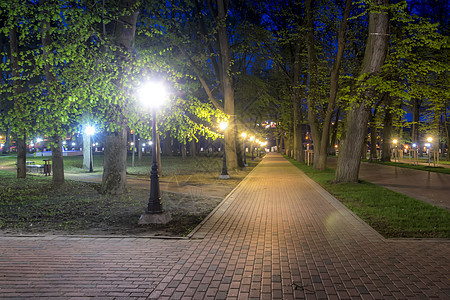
(293, 62)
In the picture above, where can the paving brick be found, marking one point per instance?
(277, 236)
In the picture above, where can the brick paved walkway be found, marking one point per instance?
(276, 236)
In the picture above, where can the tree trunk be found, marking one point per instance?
(7, 139)
(193, 149)
(57, 161)
(18, 105)
(51, 85)
(296, 105)
(278, 143)
(114, 165)
(227, 84)
(376, 50)
(167, 145)
(184, 150)
(21, 157)
(416, 120)
(334, 133)
(287, 143)
(115, 159)
(298, 142)
(373, 138)
(313, 82)
(334, 80)
(447, 132)
(387, 131)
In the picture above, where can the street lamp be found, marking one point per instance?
(152, 96)
(90, 130)
(244, 135)
(252, 139)
(257, 148)
(428, 145)
(224, 174)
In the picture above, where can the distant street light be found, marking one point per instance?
(90, 130)
(428, 145)
(394, 141)
(244, 136)
(224, 174)
(153, 95)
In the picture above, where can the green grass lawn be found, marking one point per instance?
(392, 214)
(170, 165)
(33, 205)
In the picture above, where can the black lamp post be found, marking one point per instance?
(91, 160)
(154, 213)
(154, 202)
(224, 174)
(251, 140)
(395, 149)
(257, 148)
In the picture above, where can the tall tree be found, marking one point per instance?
(334, 80)
(375, 53)
(18, 102)
(114, 164)
(53, 95)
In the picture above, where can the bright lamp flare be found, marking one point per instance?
(153, 94)
(395, 141)
(89, 130)
(223, 125)
(429, 139)
(244, 135)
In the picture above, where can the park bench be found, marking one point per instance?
(46, 168)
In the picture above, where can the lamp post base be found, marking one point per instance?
(160, 218)
(224, 176)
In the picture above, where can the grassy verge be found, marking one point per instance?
(430, 168)
(33, 205)
(391, 214)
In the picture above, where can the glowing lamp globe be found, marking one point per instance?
(153, 94)
(223, 125)
(89, 130)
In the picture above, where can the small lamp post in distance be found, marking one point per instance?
(395, 149)
(428, 145)
(152, 95)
